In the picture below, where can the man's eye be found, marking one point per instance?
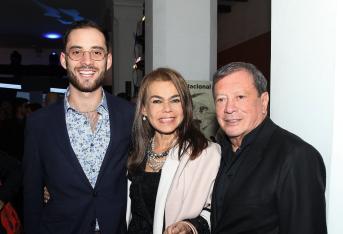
(98, 52)
(76, 52)
(219, 99)
(241, 97)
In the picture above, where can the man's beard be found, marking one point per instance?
(85, 88)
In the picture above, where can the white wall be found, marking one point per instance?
(245, 21)
(182, 35)
(335, 213)
(305, 78)
(126, 15)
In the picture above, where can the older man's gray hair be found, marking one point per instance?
(260, 81)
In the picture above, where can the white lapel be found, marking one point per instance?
(167, 175)
(128, 204)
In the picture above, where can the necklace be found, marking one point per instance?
(155, 160)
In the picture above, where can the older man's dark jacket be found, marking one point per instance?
(273, 184)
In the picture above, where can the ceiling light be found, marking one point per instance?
(52, 36)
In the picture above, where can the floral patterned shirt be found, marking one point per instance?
(90, 147)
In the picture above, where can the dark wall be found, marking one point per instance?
(255, 51)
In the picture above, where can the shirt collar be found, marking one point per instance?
(250, 137)
(102, 105)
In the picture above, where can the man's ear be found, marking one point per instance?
(265, 102)
(109, 61)
(63, 60)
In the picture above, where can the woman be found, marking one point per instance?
(172, 166)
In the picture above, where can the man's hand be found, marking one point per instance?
(46, 195)
(181, 227)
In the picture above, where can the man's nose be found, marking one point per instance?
(230, 106)
(86, 57)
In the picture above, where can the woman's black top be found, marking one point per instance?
(143, 192)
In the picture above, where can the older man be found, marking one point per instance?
(270, 181)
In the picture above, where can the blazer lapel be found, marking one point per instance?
(167, 175)
(114, 122)
(255, 152)
(63, 141)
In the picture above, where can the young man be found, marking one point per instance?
(78, 147)
(270, 181)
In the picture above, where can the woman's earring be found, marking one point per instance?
(144, 117)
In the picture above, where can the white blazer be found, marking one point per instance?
(185, 187)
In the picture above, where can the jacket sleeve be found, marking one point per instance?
(202, 222)
(10, 177)
(301, 193)
(33, 181)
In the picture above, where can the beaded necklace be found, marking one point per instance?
(155, 160)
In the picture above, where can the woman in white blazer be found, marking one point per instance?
(172, 166)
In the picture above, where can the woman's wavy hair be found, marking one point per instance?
(189, 138)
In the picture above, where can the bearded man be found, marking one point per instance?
(78, 147)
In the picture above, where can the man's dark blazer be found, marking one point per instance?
(49, 161)
(277, 187)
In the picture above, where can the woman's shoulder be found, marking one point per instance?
(211, 153)
(213, 148)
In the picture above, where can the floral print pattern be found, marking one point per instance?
(90, 147)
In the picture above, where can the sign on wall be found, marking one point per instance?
(203, 107)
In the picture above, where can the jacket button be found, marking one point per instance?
(95, 193)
